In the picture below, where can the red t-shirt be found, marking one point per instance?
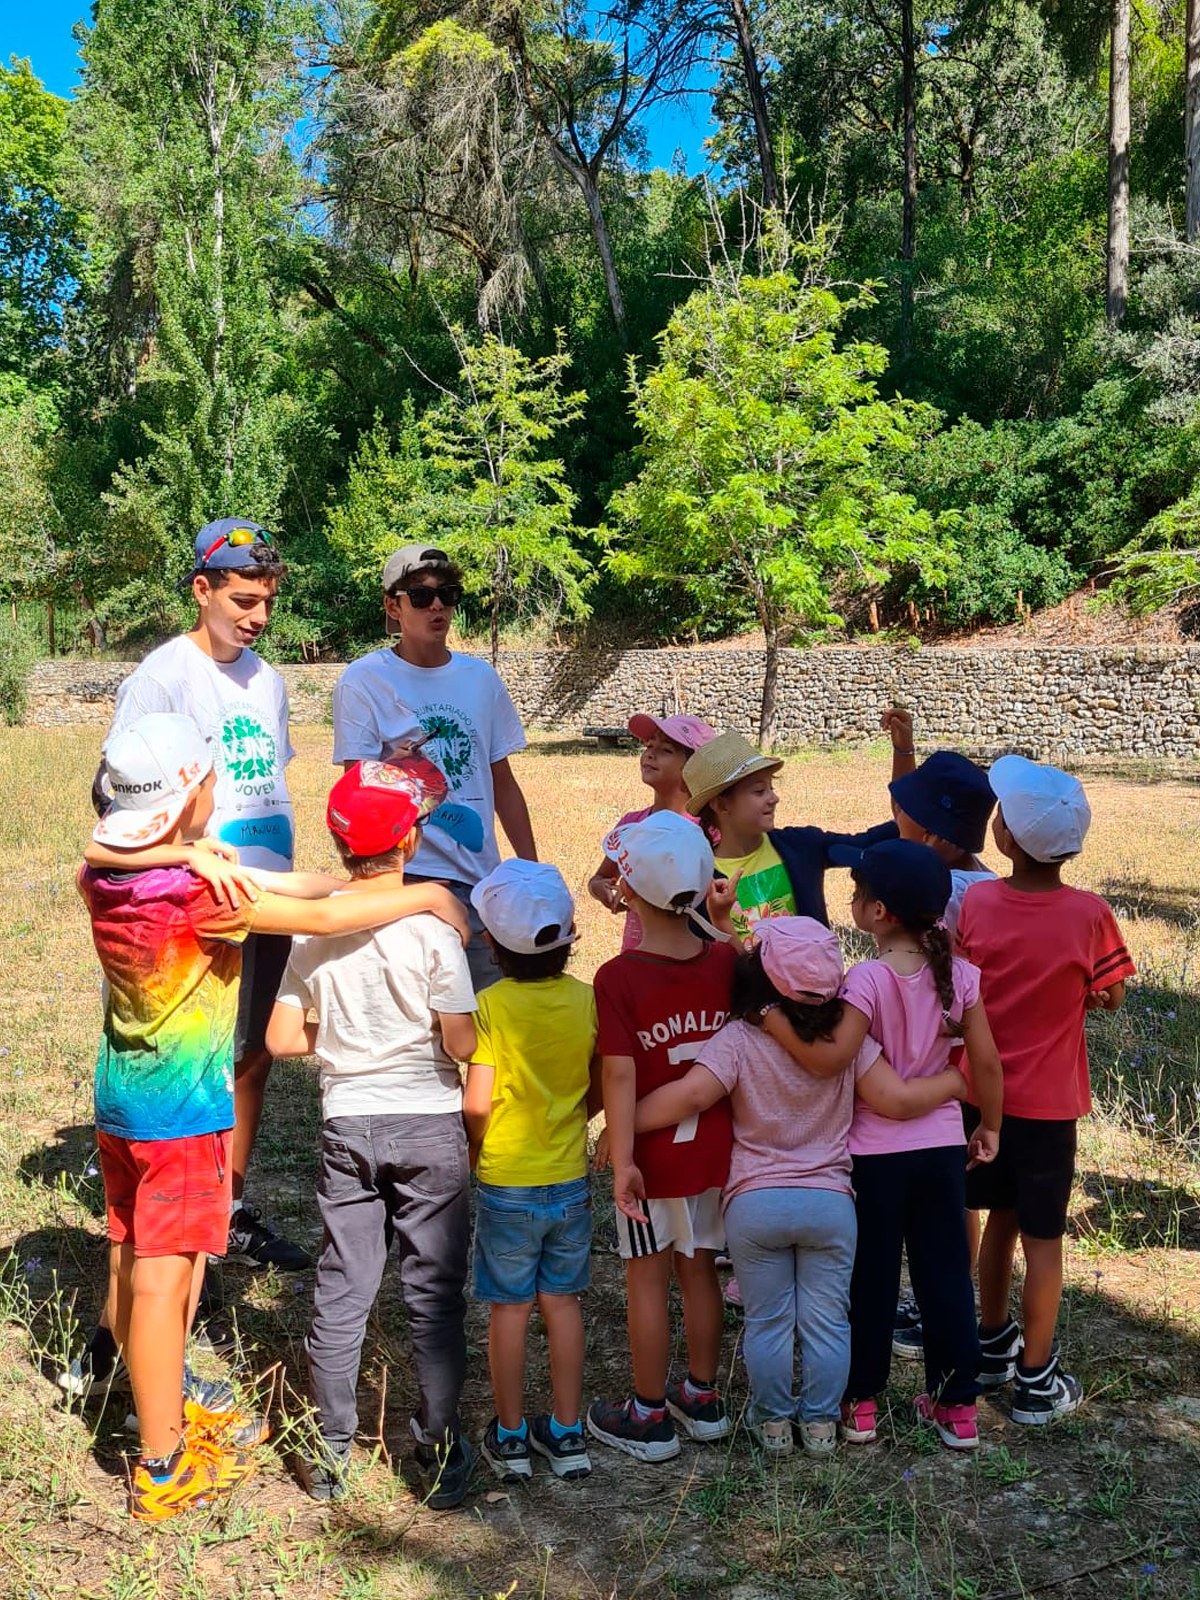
(1039, 955)
(661, 1012)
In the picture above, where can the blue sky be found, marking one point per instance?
(41, 30)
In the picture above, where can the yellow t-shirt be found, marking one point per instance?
(765, 890)
(539, 1037)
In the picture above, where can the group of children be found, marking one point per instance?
(814, 1123)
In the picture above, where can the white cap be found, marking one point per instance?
(662, 858)
(1045, 809)
(152, 769)
(518, 899)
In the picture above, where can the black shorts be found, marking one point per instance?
(264, 957)
(1032, 1175)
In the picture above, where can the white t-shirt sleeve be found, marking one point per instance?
(281, 696)
(450, 988)
(505, 733)
(137, 696)
(356, 735)
(293, 988)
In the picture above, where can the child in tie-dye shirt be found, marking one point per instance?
(169, 946)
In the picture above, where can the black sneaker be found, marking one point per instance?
(449, 1470)
(908, 1339)
(652, 1438)
(509, 1458)
(91, 1373)
(566, 1453)
(255, 1242)
(322, 1475)
(1046, 1394)
(704, 1418)
(999, 1353)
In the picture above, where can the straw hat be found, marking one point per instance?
(719, 764)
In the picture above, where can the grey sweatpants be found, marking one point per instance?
(382, 1176)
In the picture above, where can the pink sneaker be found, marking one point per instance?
(858, 1422)
(957, 1426)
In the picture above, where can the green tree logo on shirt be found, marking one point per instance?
(449, 745)
(248, 748)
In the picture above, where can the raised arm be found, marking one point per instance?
(898, 724)
(676, 1102)
(821, 1058)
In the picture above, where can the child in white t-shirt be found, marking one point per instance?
(393, 1011)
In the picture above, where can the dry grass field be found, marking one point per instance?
(1106, 1503)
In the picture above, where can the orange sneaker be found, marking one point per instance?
(230, 1427)
(227, 1467)
(192, 1482)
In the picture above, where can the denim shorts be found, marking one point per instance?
(532, 1241)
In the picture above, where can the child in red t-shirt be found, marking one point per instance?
(1047, 955)
(656, 1007)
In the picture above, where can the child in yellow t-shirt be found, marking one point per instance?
(532, 1083)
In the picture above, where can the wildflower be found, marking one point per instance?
(1170, 1016)
(1148, 1569)
(32, 1265)
(908, 1474)
(4, 1051)
(1097, 1274)
(1149, 1117)
(93, 1172)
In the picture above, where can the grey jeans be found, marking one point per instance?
(385, 1177)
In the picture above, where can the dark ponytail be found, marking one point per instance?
(935, 942)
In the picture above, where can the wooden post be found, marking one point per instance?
(873, 615)
(50, 625)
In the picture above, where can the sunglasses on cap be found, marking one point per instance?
(423, 597)
(238, 538)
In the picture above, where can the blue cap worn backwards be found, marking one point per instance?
(913, 882)
(949, 796)
(229, 543)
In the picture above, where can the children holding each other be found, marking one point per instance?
(1047, 954)
(789, 1207)
(667, 743)
(533, 1079)
(656, 1006)
(170, 951)
(393, 1009)
(917, 1001)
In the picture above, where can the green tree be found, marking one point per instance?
(768, 454)
(505, 505)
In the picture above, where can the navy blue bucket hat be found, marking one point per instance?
(949, 796)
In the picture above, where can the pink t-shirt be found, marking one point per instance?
(905, 1016)
(789, 1128)
(632, 936)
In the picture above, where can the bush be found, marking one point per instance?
(19, 649)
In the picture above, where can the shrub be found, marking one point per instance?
(19, 649)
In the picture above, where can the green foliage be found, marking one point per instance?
(769, 458)
(19, 649)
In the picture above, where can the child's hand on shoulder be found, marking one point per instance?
(984, 1146)
(218, 865)
(447, 908)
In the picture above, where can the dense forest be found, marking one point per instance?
(920, 349)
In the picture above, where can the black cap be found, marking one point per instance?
(947, 795)
(912, 880)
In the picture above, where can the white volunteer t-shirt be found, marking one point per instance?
(242, 707)
(471, 722)
(375, 994)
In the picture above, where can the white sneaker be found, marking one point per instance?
(775, 1437)
(818, 1438)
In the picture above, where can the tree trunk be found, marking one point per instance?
(1191, 123)
(908, 226)
(766, 714)
(758, 102)
(1118, 166)
(50, 626)
(616, 300)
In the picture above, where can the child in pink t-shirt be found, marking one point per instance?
(788, 1203)
(667, 744)
(916, 1001)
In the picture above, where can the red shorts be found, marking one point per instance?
(168, 1197)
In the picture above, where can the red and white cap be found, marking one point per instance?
(152, 769)
(520, 899)
(687, 731)
(376, 804)
(801, 957)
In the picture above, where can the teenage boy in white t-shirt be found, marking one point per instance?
(393, 1009)
(212, 674)
(457, 705)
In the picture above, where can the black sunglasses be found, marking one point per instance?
(423, 597)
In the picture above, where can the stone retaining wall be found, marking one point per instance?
(1058, 703)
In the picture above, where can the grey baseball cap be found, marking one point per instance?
(411, 558)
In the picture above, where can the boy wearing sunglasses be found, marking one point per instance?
(456, 706)
(213, 675)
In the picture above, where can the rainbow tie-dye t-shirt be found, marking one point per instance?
(172, 957)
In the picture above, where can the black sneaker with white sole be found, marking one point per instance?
(448, 1472)
(566, 1452)
(703, 1416)
(254, 1242)
(999, 1352)
(509, 1458)
(1045, 1394)
(908, 1339)
(615, 1423)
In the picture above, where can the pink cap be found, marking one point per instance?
(689, 732)
(801, 957)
